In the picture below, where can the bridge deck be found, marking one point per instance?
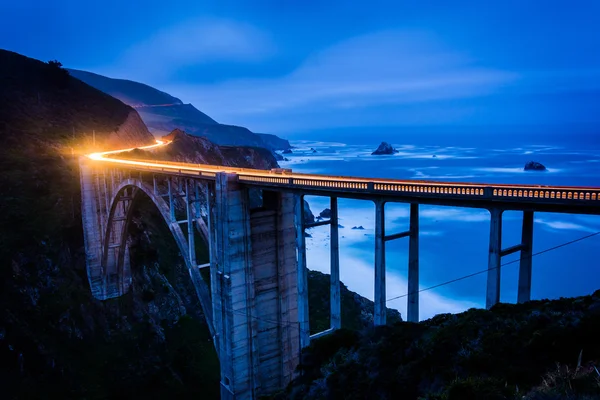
(563, 199)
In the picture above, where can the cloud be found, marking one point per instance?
(383, 68)
(563, 225)
(191, 43)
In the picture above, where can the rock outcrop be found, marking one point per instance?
(534, 166)
(384, 148)
(326, 213)
(287, 151)
(133, 132)
(194, 149)
(309, 217)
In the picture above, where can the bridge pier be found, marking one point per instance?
(335, 300)
(494, 258)
(526, 258)
(254, 263)
(303, 321)
(412, 305)
(496, 253)
(379, 313)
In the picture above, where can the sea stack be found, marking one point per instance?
(384, 148)
(534, 166)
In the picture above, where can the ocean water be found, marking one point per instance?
(454, 241)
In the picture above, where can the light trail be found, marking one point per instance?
(439, 190)
(101, 156)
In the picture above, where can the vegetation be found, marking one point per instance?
(540, 350)
(56, 341)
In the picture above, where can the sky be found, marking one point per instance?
(293, 66)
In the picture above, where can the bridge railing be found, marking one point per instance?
(473, 191)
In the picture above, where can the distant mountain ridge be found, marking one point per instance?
(163, 113)
(132, 93)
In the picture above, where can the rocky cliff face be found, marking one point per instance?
(188, 148)
(131, 133)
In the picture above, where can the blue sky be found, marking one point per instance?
(289, 66)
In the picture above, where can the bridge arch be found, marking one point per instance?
(115, 256)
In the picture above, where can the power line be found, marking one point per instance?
(244, 311)
(502, 265)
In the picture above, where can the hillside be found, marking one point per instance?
(56, 341)
(163, 113)
(44, 115)
(540, 350)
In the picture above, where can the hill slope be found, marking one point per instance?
(539, 350)
(163, 113)
(56, 341)
(133, 93)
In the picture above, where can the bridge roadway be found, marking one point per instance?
(560, 199)
(258, 257)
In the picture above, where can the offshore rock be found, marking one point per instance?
(534, 166)
(384, 148)
(326, 213)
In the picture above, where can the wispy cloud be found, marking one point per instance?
(390, 67)
(564, 225)
(193, 42)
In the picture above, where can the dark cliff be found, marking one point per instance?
(56, 341)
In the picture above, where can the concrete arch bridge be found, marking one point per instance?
(257, 302)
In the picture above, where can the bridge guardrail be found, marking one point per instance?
(369, 185)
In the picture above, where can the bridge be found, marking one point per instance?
(256, 302)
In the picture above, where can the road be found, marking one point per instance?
(311, 183)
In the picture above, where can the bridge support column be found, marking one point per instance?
(171, 205)
(495, 249)
(526, 258)
(379, 315)
(412, 310)
(189, 197)
(254, 291)
(335, 301)
(302, 273)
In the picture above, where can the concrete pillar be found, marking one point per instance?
(303, 321)
(105, 190)
(231, 301)
(526, 256)
(493, 275)
(190, 221)
(413, 265)
(336, 321)
(171, 206)
(197, 198)
(254, 278)
(154, 185)
(273, 235)
(380, 300)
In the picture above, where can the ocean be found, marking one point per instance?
(454, 241)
